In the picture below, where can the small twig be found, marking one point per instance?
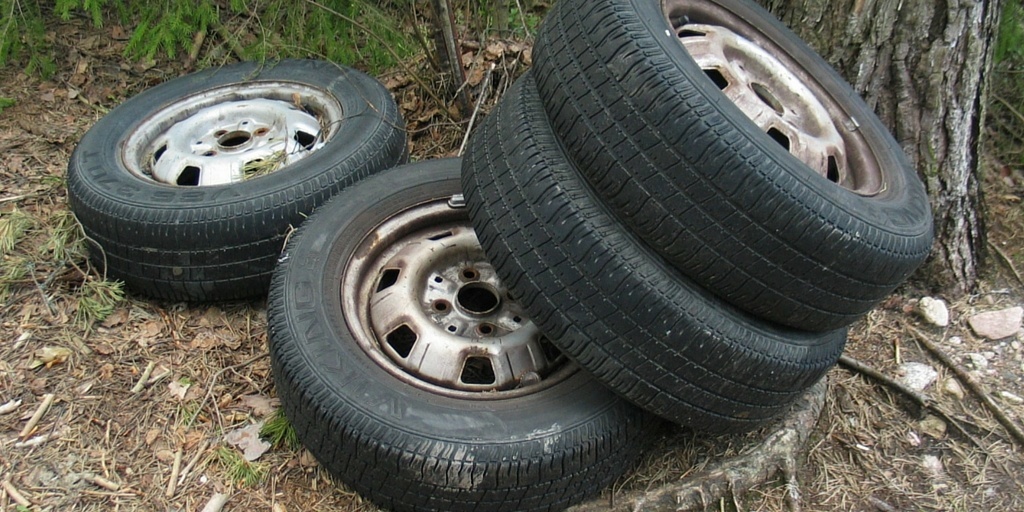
(158, 377)
(102, 482)
(216, 503)
(920, 400)
(1009, 262)
(192, 462)
(15, 494)
(479, 103)
(213, 382)
(141, 384)
(1010, 108)
(522, 18)
(881, 505)
(42, 291)
(38, 440)
(38, 415)
(972, 385)
(10, 407)
(197, 44)
(172, 482)
(229, 39)
(16, 198)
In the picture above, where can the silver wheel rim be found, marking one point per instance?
(425, 304)
(780, 97)
(231, 134)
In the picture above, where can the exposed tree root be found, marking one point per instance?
(776, 452)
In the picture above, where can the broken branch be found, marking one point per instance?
(15, 494)
(973, 385)
(141, 384)
(38, 415)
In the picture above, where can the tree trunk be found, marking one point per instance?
(923, 65)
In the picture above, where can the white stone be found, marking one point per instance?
(1011, 397)
(934, 311)
(951, 387)
(955, 340)
(978, 360)
(996, 325)
(917, 376)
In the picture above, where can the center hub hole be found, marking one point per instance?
(478, 298)
(234, 139)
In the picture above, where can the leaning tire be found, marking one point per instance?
(611, 304)
(188, 189)
(811, 237)
(380, 314)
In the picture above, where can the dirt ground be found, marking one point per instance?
(102, 446)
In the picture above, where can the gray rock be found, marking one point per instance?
(953, 388)
(934, 311)
(917, 376)
(979, 361)
(996, 325)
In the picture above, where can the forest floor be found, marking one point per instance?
(101, 446)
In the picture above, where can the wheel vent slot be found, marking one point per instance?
(832, 172)
(401, 340)
(551, 352)
(779, 137)
(159, 153)
(717, 77)
(440, 236)
(189, 177)
(387, 279)
(687, 32)
(305, 139)
(478, 370)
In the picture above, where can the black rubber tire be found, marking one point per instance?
(401, 446)
(609, 302)
(221, 242)
(683, 167)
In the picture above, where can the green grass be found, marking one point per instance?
(97, 299)
(363, 33)
(13, 226)
(1005, 120)
(280, 433)
(1010, 40)
(239, 470)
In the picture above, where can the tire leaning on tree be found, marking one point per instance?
(736, 152)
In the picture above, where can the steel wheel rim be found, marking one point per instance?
(424, 303)
(230, 134)
(777, 94)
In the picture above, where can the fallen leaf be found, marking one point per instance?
(212, 317)
(116, 318)
(177, 389)
(49, 356)
(151, 329)
(151, 435)
(260, 405)
(164, 455)
(247, 439)
(205, 340)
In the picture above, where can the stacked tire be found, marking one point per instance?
(692, 204)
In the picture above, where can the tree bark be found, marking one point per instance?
(923, 66)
